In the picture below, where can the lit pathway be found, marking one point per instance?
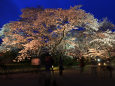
(70, 78)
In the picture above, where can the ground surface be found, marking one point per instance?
(71, 77)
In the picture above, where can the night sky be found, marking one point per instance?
(10, 9)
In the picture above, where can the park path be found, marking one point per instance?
(71, 77)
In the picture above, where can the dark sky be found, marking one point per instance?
(10, 9)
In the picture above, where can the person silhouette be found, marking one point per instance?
(48, 62)
(61, 66)
(82, 64)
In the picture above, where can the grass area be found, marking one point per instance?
(14, 68)
(19, 68)
(22, 67)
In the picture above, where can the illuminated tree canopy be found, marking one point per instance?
(54, 29)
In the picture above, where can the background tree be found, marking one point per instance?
(105, 25)
(104, 41)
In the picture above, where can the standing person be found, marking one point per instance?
(94, 67)
(61, 66)
(82, 64)
(48, 62)
(48, 66)
(109, 67)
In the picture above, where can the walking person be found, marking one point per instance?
(61, 68)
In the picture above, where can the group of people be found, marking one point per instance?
(82, 62)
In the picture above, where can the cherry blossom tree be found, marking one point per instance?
(39, 28)
(102, 42)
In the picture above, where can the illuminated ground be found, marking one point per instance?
(71, 77)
